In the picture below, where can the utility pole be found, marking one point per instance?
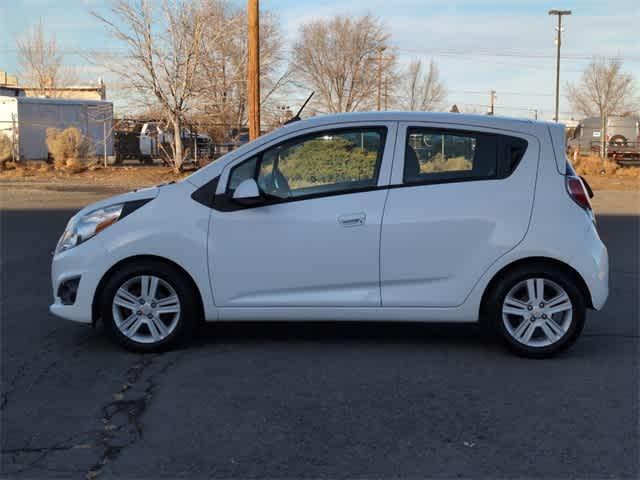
(253, 69)
(380, 50)
(386, 94)
(492, 94)
(559, 13)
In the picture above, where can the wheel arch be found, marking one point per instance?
(95, 310)
(536, 261)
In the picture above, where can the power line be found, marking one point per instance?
(485, 53)
(428, 51)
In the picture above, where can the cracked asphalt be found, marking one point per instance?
(308, 400)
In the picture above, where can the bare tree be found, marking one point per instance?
(41, 62)
(164, 47)
(423, 90)
(344, 60)
(221, 80)
(603, 90)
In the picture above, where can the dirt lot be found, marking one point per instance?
(603, 182)
(608, 175)
(125, 177)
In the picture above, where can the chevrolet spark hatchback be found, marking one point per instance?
(373, 216)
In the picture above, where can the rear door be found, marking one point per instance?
(460, 199)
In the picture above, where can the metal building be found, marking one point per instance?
(26, 119)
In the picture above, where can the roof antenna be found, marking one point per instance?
(296, 117)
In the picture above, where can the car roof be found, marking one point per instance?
(490, 121)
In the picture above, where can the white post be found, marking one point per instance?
(15, 147)
(104, 140)
(195, 149)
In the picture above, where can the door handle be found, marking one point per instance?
(352, 220)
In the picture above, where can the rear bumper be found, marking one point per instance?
(595, 268)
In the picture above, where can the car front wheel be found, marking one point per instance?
(148, 307)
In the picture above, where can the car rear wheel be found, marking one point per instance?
(149, 306)
(537, 311)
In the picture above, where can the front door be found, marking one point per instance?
(314, 240)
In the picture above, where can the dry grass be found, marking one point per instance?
(91, 174)
(68, 147)
(593, 166)
(5, 149)
(614, 177)
(449, 165)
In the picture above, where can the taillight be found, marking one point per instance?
(578, 192)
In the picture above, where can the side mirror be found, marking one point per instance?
(247, 193)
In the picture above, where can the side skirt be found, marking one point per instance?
(384, 314)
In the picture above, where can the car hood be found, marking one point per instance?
(141, 194)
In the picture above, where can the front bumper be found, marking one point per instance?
(86, 261)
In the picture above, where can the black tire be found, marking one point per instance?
(496, 297)
(618, 141)
(188, 317)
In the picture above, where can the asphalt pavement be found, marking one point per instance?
(289, 400)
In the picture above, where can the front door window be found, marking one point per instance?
(337, 161)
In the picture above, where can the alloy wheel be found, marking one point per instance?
(146, 309)
(537, 312)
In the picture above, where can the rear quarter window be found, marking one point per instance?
(513, 150)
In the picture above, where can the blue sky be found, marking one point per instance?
(478, 45)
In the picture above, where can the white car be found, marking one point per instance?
(423, 217)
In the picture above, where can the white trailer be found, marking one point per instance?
(26, 119)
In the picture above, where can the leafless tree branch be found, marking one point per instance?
(164, 44)
(339, 58)
(603, 90)
(41, 63)
(423, 90)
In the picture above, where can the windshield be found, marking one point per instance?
(206, 173)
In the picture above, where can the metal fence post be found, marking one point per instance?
(15, 150)
(104, 139)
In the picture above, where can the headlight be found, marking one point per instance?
(80, 229)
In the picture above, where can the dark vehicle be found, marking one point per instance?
(127, 147)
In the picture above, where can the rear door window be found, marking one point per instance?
(441, 155)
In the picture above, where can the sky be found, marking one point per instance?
(478, 45)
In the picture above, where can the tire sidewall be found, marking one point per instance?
(173, 277)
(555, 275)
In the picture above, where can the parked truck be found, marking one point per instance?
(623, 138)
(26, 120)
(146, 141)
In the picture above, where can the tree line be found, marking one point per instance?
(186, 60)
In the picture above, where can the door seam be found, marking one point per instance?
(384, 207)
